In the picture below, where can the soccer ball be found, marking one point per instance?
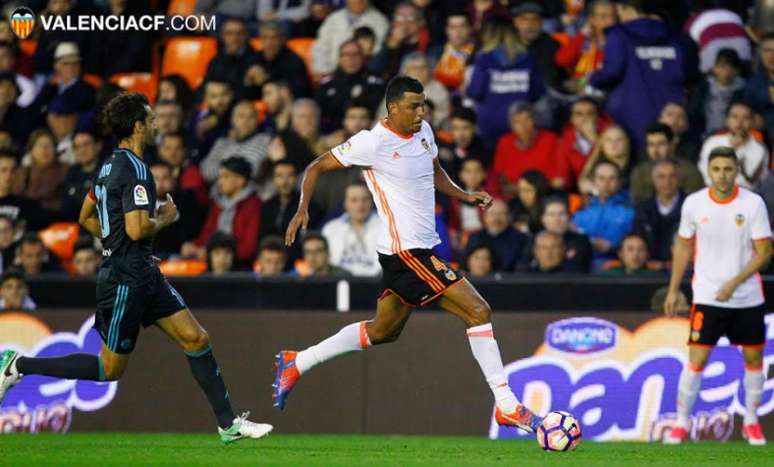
(559, 431)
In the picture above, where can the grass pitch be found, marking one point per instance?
(104, 449)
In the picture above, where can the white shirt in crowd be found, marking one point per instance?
(354, 250)
(337, 28)
(752, 157)
(724, 232)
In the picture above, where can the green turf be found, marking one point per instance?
(102, 449)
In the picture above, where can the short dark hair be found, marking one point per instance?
(465, 113)
(86, 131)
(723, 151)
(606, 162)
(358, 104)
(363, 32)
(160, 163)
(13, 272)
(666, 161)
(660, 128)
(314, 235)
(738, 102)
(84, 243)
(175, 134)
(472, 159)
(402, 84)
(769, 36)
(729, 57)
(284, 162)
(493, 257)
(554, 199)
(123, 111)
(31, 237)
(587, 100)
(272, 243)
(221, 239)
(629, 236)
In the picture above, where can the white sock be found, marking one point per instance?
(351, 338)
(753, 388)
(487, 353)
(687, 390)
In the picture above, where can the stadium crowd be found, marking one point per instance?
(589, 121)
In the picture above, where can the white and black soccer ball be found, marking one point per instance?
(559, 432)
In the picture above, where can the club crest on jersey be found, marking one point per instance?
(345, 147)
(425, 145)
(739, 219)
(140, 196)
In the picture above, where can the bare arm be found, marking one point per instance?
(139, 224)
(88, 217)
(324, 163)
(445, 185)
(680, 258)
(759, 261)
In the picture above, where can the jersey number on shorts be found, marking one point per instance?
(104, 222)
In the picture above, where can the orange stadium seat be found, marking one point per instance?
(94, 80)
(181, 7)
(144, 83)
(255, 43)
(183, 267)
(261, 109)
(189, 57)
(302, 46)
(60, 238)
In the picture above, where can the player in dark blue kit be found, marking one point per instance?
(131, 291)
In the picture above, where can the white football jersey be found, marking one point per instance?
(724, 232)
(398, 170)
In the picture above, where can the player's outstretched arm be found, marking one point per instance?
(683, 252)
(88, 217)
(139, 224)
(445, 185)
(322, 164)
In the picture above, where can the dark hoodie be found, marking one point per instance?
(643, 69)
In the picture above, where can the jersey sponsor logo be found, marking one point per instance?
(140, 196)
(739, 219)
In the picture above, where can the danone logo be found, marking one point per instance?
(581, 335)
(22, 22)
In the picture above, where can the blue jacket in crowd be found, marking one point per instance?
(757, 94)
(610, 220)
(498, 82)
(643, 69)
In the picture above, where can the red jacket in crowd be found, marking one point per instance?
(570, 157)
(245, 226)
(511, 161)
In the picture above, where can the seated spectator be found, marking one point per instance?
(715, 28)
(79, 176)
(61, 119)
(633, 254)
(709, 101)
(675, 116)
(528, 21)
(466, 219)
(12, 117)
(243, 140)
(221, 250)
(86, 258)
(757, 92)
(366, 39)
(188, 177)
(337, 28)
(133, 43)
(272, 257)
(279, 101)
(555, 218)
(507, 242)
(234, 210)
(657, 218)
(276, 62)
(503, 73)
(14, 293)
(481, 11)
(278, 210)
(480, 262)
(234, 57)
(658, 298)
(613, 146)
(531, 188)
(465, 144)
(525, 148)
(7, 239)
(25, 213)
(609, 216)
(317, 258)
(175, 88)
(408, 33)
(452, 58)
(350, 80)
(43, 180)
(170, 240)
(302, 142)
(352, 236)
(212, 122)
(169, 118)
(659, 145)
(33, 257)
(753, 156)
(548, 253)
(8, 64)
(578, 138)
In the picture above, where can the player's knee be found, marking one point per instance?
(480, 314)
(194, 340)
(753, 361)
(382, 335)
(112, 370)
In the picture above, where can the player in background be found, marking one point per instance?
(121, 211)
(726, 229)
(402, 171)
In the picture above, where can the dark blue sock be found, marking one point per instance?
(75, 366)
(205, 370)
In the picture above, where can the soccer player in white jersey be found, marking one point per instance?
(399, 158)
(726, 229)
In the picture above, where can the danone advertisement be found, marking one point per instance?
(621, 384)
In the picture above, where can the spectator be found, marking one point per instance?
(276, 62)
(50, 39)
(133, 44)
(7, 238)
(14, 293)
(318, 11)
(43, 180)
(352, 236)
(287, 13)
(213, 121)
(317, 258)
(609, 216)
(579, 138)
(614, 146)
(337, 29)
(234, 210)
(407, 34)
(25, 213)
(714, 29)
(753, 156)
(531, 188)
(657, 218)
(498, 233)
(417, 66)
(528, 21)
(279, 100)
(503, 73)
(78, 179)
(243, 140)
(221, 250)
(278, 210)
(66, 81)
(12, 116)
(675, 116)
(555, 218)
(709, 101)
(480, 262)
(643, 69)
(33, 257)
(465, 219)
(366, 39)
(465, 144)
(61, 118)
(169, 118)
(175, 88)
(272, 257)
(659, 145)
(659, 297)
(170, 240)
(302, 143)
(349, 81)
(188, 177)
(86, 259)
(633, 254)
(582, 53)
(525, 148)
(548, 253)
(480, 12)
(8, 64)
(242, 9)
(452, 58)
(757, 92)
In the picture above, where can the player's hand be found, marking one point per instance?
(167, 211)
(725, 292)
(480, 198)
(300, 221)
(670, 303)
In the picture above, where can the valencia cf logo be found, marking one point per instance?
(739, 219)
(425, 145)
(22, 22)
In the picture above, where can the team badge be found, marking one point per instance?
(694, 336)
(425, 145)
(22, 22)
(345, 147)
(140, 196)
(739, 219)
(450, 275)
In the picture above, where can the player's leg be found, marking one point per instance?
(749, 331)
(464, 301)
(391, 316)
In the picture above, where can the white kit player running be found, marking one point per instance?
(401, 168)
(726, 229)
